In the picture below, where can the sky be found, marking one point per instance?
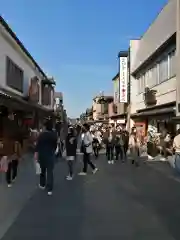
(77, 41)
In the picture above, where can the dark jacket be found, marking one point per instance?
(46, 146)
(71, 146)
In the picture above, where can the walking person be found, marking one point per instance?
(95, 144)
(13, 163)
(109, 142)
(71, 146)
(134, 146)
(176, 147)
(87, 151)
(45, 155)
(119, 146)
(126, 143)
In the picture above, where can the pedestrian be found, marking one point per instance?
(45, 154)
(119, 145)
(134, 146)
(126, 143)
(109, 139)
(71, 146)
(87, 150)
(95, 144)
(13, 163)
(176, 147)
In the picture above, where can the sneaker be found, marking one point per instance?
(41, 187)
(95, 170)
(9, 185)
(49, 193)
(69, 178)
(109, 162)
(112, 162)
(13, 180)
(82, 174)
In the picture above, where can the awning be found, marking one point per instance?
(16, 102)
(155, 112)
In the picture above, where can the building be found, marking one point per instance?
(26, 93)
(102, 107)
(154, 73)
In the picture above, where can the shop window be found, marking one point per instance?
(172, 64)
(163, 69)
(14, 75)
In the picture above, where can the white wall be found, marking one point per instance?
(166, 91)
(8, 47)
(161, 29)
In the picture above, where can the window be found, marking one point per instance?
(163, 70)
(172, 64)
(14, 75)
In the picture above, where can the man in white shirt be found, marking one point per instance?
(87, 151)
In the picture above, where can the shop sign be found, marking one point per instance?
(121, 121)
(123, 79)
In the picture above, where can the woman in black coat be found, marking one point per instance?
(71, 146)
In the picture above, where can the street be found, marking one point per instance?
(118, 202)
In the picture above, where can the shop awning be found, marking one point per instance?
(17, 103)
(155, 112)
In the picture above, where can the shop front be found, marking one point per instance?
(156, 122)
(17, 117)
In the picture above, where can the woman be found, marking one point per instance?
(71, 146)
(134, 146)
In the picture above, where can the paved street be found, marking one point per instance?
(119, 202)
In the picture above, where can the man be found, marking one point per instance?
(87, 150)
(45, 154)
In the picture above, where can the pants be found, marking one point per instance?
(11, 173)
(110, 152)
(96, 151)
(135, 155)
(86, 161)
(177, 162)
(70, 167)
(119, 150)
(46, 176)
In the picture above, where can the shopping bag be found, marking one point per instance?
(64, 153)
(57, 150)
(38, 168)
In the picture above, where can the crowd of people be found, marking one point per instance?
(86, 139)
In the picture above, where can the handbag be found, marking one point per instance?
(38, 168)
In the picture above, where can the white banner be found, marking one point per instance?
(123, 79)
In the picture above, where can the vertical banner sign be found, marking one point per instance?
(123, 79)
(116, 91)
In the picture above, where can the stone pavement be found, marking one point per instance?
(119, 202)
(13, 199)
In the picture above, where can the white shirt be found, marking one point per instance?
(88, 141)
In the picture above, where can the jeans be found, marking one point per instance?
(119, 150)
(110, 152)
(11, 173)
(47, 176)
(87, 161)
